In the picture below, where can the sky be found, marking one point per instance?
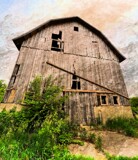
(116, 19)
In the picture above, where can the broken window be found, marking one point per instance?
(115, 99)
(103, 99)
(76, 29)
(57, 43)
(75, 82)
(14, 75)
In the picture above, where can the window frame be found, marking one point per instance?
(57, 39)
(77, 81)
(118, 100)
(14, 75)
(107, 103)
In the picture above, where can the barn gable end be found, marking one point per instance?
(81, 56)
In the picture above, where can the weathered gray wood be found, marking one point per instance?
(85, 53)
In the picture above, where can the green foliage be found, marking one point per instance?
(83, 134)
(92, 137)
(134, 101)
(2, 90)
(41, 129)
(109, 157)
(98, 143)
(43, 103)
(134, 105)
(128, 126)
(80, 157)
(77, 141)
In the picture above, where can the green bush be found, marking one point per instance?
(134, 106)
(83, 134)
(98, 143)
(77, 141)
(128, 126)
(134, 101)
(92, 137)
(2, 90)
(40, 130)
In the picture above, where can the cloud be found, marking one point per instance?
(19, 16)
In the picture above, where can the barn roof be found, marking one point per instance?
(19, 40)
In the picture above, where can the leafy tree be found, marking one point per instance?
(134, 101)
(134, 105)
(2, 90)
(40, 130)
(43, 99)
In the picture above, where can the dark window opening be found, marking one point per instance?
(75, 82)
(115, 99)
(57, 43)
(98, 100)
(94, 42)
(76, 29)
(103, 99)
(63, 103)
(13, 80)
(14, 75)
(16, 69)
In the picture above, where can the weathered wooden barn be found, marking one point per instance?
(87, 62)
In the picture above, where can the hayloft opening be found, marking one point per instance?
(57, 43)
(103, 99)
(115, 99)
(76, 29)
(75, 82)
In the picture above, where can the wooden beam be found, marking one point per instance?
(86, 91)
(87, 80)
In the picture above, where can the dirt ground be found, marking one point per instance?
(113, 143)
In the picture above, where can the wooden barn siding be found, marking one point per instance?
(79, 107)
(78, 50)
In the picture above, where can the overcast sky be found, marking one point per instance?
(117, 19)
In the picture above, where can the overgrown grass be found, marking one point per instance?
(121, 158)
(128, 126)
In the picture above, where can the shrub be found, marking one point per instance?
(92, 137)
(2, 90)
(128, 126)
(83, 134)
(134, 105)
(98, 143)
(134, 101)
(39, 131)
(77, 141)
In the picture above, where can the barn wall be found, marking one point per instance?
(84, 52)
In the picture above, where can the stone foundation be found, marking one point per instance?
(102, 112)
(105, 112)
